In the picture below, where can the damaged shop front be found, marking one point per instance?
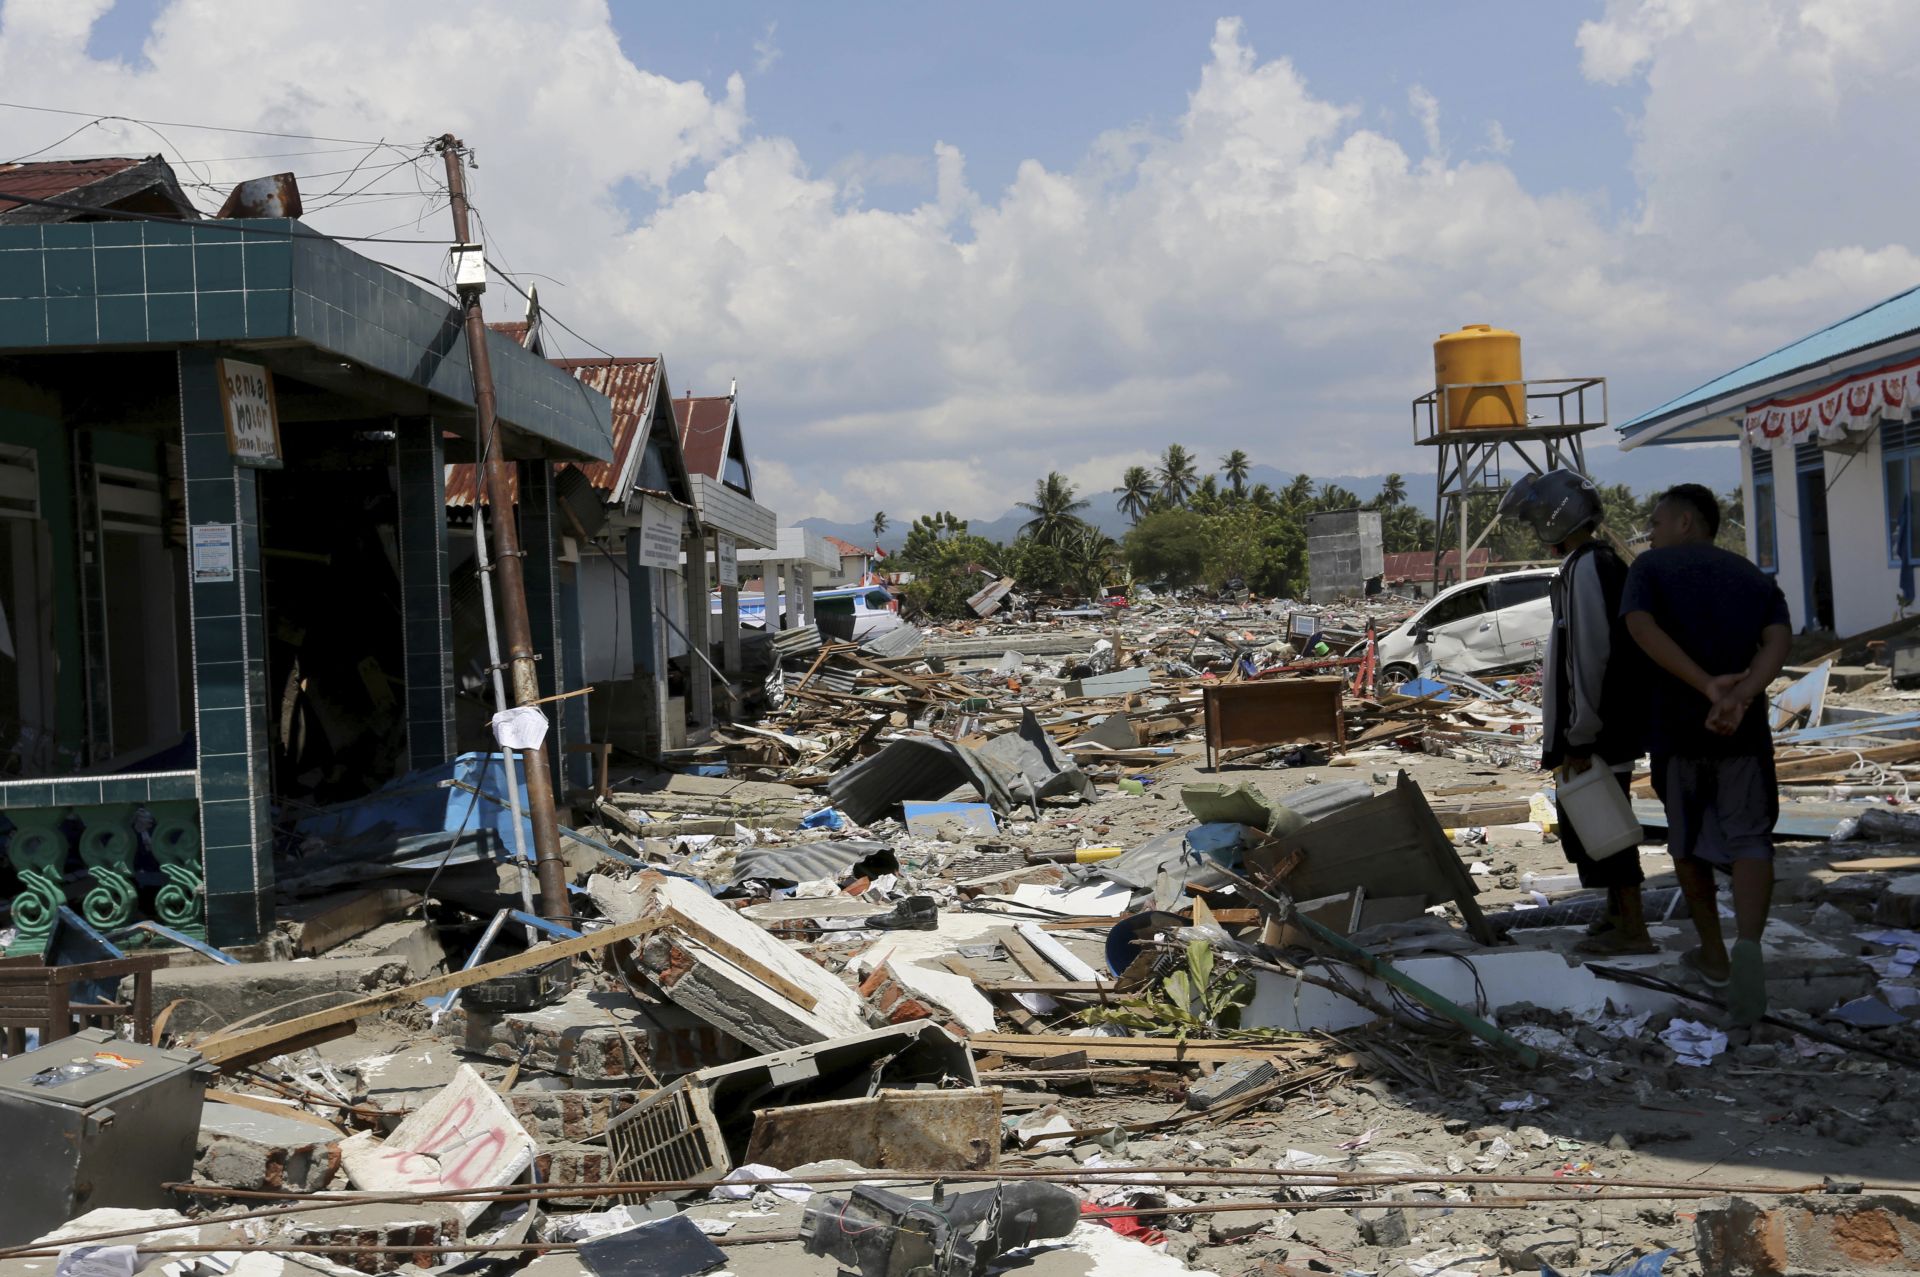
(649, 545)
(224, 557)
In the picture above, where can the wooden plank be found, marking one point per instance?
(741, 958)
(1876, 864)
(1052, 988)
(240, 1099)
(1129, 1050)
(1023, 1019)
(232, 1051)
(321, 925)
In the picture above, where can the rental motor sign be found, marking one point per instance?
(253, 420)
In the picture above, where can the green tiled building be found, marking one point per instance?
(196, 636)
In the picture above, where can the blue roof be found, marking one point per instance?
(1897, 316)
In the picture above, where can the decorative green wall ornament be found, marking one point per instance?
(37, 849)
(181, 901)
(108, 846)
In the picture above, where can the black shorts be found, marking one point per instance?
(1621, 869)
(1719, 810)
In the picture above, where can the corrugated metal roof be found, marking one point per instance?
(627, 382)
(50, 179)
(1417, 565)
(704, 432)
(1819, 354)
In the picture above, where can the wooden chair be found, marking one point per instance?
(36, 996)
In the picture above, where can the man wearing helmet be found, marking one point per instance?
(1594, 683)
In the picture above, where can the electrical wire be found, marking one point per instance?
(178, 124)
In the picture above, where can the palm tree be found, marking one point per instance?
(1206, 496)
(1086, 556)
(1393, 491)
(1235, 466)
(879, 525)
(1298, 492)
(1334, 497)
(1177, 472)
(1262, 497)
(1054, 508)
(1136, 491)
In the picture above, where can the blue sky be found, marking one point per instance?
(876, 84)
(1007, 82)
(905, 230)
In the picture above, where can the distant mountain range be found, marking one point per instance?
(1643, 470)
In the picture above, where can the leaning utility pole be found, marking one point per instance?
(507, 555)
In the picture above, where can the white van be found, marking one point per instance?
(1489, 623)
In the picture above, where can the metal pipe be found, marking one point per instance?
(549, 867)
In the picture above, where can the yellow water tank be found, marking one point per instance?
(1480, 353)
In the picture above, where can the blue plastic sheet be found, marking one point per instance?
(825, 818)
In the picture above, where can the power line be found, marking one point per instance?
(178, 124)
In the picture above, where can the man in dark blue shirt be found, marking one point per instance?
(1718, 629)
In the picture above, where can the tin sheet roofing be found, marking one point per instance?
(627, 382)
(50, 179)
(704, 433)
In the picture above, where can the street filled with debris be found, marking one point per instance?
(965, 954)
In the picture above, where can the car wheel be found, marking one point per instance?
(1393, 676)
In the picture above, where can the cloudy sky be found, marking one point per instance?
(947, 247)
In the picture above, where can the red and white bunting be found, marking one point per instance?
(1853, 406)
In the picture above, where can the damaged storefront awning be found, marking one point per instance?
(307, 305)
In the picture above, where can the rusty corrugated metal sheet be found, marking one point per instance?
(50, 179)
(274, 196)
(703, 433)
(627, 382)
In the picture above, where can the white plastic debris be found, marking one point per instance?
(1696, 1044)
(522, 727)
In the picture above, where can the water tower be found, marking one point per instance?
(1481, 411)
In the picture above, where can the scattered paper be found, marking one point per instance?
(743, 1181)
(1360, 1141)
(1528, 1103)
(1867, 1013)
(1103, 900)
(1696, 1044)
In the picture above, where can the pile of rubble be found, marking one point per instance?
(970, 955)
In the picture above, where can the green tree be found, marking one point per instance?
(944, 575)
(928, 534)
(1206, 496)
(1235, 467)
(1403, 528)
(879, 525)
(1393, 492)
(1168, 547)
(1298, 492)
(1177, 473)
(1265, 552)
(1037, 565)
(1086, 559)
(1055, 509)
(1334, 497)
(1135, 492)
(1263, 497)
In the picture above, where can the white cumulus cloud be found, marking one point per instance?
(1264, 271)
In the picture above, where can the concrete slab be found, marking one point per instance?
(715, 967)
(464, 1137)
(216, 995)
(1803, 973)
(245, 1148)
(411, 941)
(592, 1036)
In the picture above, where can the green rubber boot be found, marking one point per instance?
(1747, 989)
